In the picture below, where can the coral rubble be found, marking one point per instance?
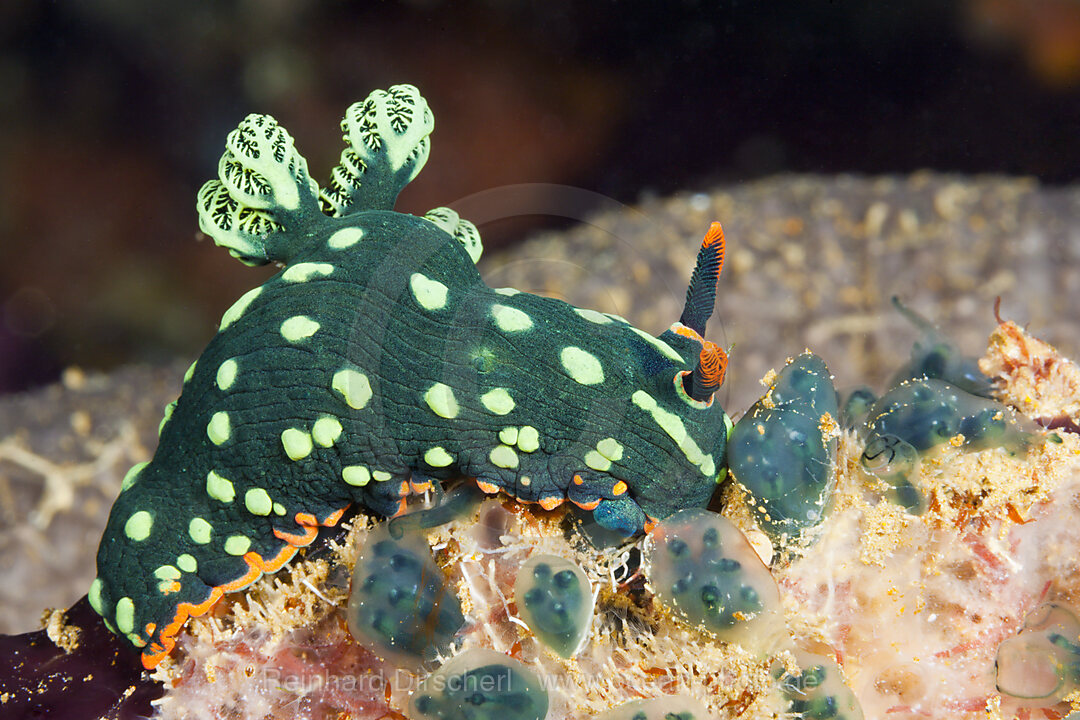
(877, 612)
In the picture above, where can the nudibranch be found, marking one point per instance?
(377, 362)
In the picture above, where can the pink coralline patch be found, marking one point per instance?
(918, 636)
(311, 673)
(916, 607)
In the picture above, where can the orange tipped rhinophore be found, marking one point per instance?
(701, 295)
(700, 299)
(710, 370)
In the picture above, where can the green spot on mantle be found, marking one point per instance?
(219, 428)
(504, 457)
(440, 398)
(610, 448)
(355, 475)
(297, 443)
(438, 457)
(298, 327)
(237, 310)
(302, 272)
(581, 366)
(258, 502)
(167, 572)
(226, 374)
(593, 316)
(597, 461)
(528, 439)
(132, 475)
(353, 386)
(169, 409)
(326, 431)
(430, 294)
(497, 401)
(237, 545)
(200, 530)
(346, 237)
(510, 319)
(94, 596)
(219, 488)
(138, 526)
(125, 615)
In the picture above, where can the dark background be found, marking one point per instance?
(114, 112)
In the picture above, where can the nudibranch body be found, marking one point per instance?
(377, 362)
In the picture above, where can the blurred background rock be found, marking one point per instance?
(113, 112)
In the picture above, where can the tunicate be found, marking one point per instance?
(818, 692)
(669, 707)
(480, 684)
(856, 406)
(1041, 665)
(703, 567)
(555, 600)
(400, 606)
(935, 357)
(782, 449)
(920, 415)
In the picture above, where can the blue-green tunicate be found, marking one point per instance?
(935, 357)
(782, 449)
(555, 600)
(928, 413)
(480, 684)
(818, 691)
(400, 606)
(896, 463)
(919, 415)
(856, 406)
(703, 567)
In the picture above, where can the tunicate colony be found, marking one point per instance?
(702, 567)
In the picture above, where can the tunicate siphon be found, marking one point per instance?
(1041, 665)
(935, 357)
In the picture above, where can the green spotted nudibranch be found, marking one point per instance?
(377, 362)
